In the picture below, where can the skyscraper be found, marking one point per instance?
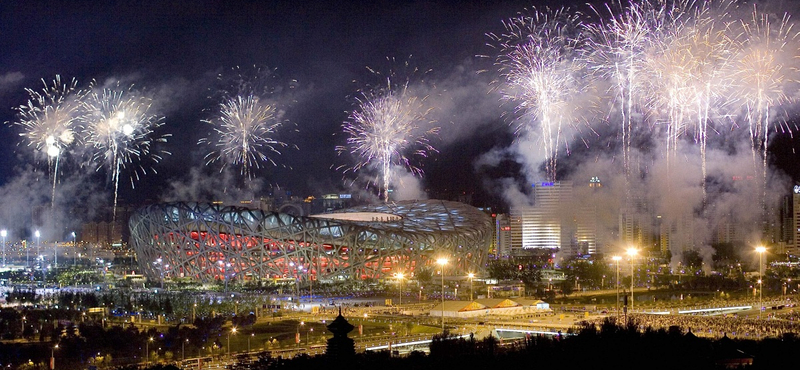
(555, 220)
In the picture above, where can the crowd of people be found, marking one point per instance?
(778, 318)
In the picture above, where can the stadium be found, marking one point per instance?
(209, 242)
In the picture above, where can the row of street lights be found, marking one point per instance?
(37, 234)
(633, 252)
(441, 262)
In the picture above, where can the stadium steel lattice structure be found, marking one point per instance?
(210, 242)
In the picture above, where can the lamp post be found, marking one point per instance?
(617, 259)
(52, 356)
(183, 348)
(147, 349)
(233, 331)
(248, 341)
(74, 248)
(4, 233)
(158, 263)
(442, 262)
(632, 253)
(470, 276)
(760, 250)
(399, 277)
(297, 335)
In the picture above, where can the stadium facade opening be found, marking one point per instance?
(210, 242)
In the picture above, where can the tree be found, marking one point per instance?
(424, 275)
(692, 258)
(530, 277)
(501, 269)
(566, 287)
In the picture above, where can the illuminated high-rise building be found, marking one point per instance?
(502, 237)
(555, 221)
(793, 246)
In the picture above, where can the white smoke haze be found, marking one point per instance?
(406, 186)
(461, 103)
(492, 158)
(25, 204)
(10, 81)
(202, 185)
(711, 174)
(670, 189)
(177, 93)
(529, 152)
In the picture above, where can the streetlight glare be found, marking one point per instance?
(616, 258)
(442, 262)
(632, 252)
(760, 250)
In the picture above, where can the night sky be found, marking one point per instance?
(321, 53)
(175, 50)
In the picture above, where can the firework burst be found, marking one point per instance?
(390, 125)
(689, 75)
(542, 72)
(120, 132)
(49, 121)
(616, 51)
(245, 128)
(765, 69)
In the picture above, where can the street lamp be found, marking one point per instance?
(4, 233)
(470, 276)
(52, 357)
(297, 335)
(760, 250)
(158, 263)
(74, 248)
(248, 341)
(183, 348)
(399, 277)
(233, 331)
(147, 349)
(442, 262)
(617, 259)
(632, 253)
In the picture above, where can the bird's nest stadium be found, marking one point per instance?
(208, 242)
